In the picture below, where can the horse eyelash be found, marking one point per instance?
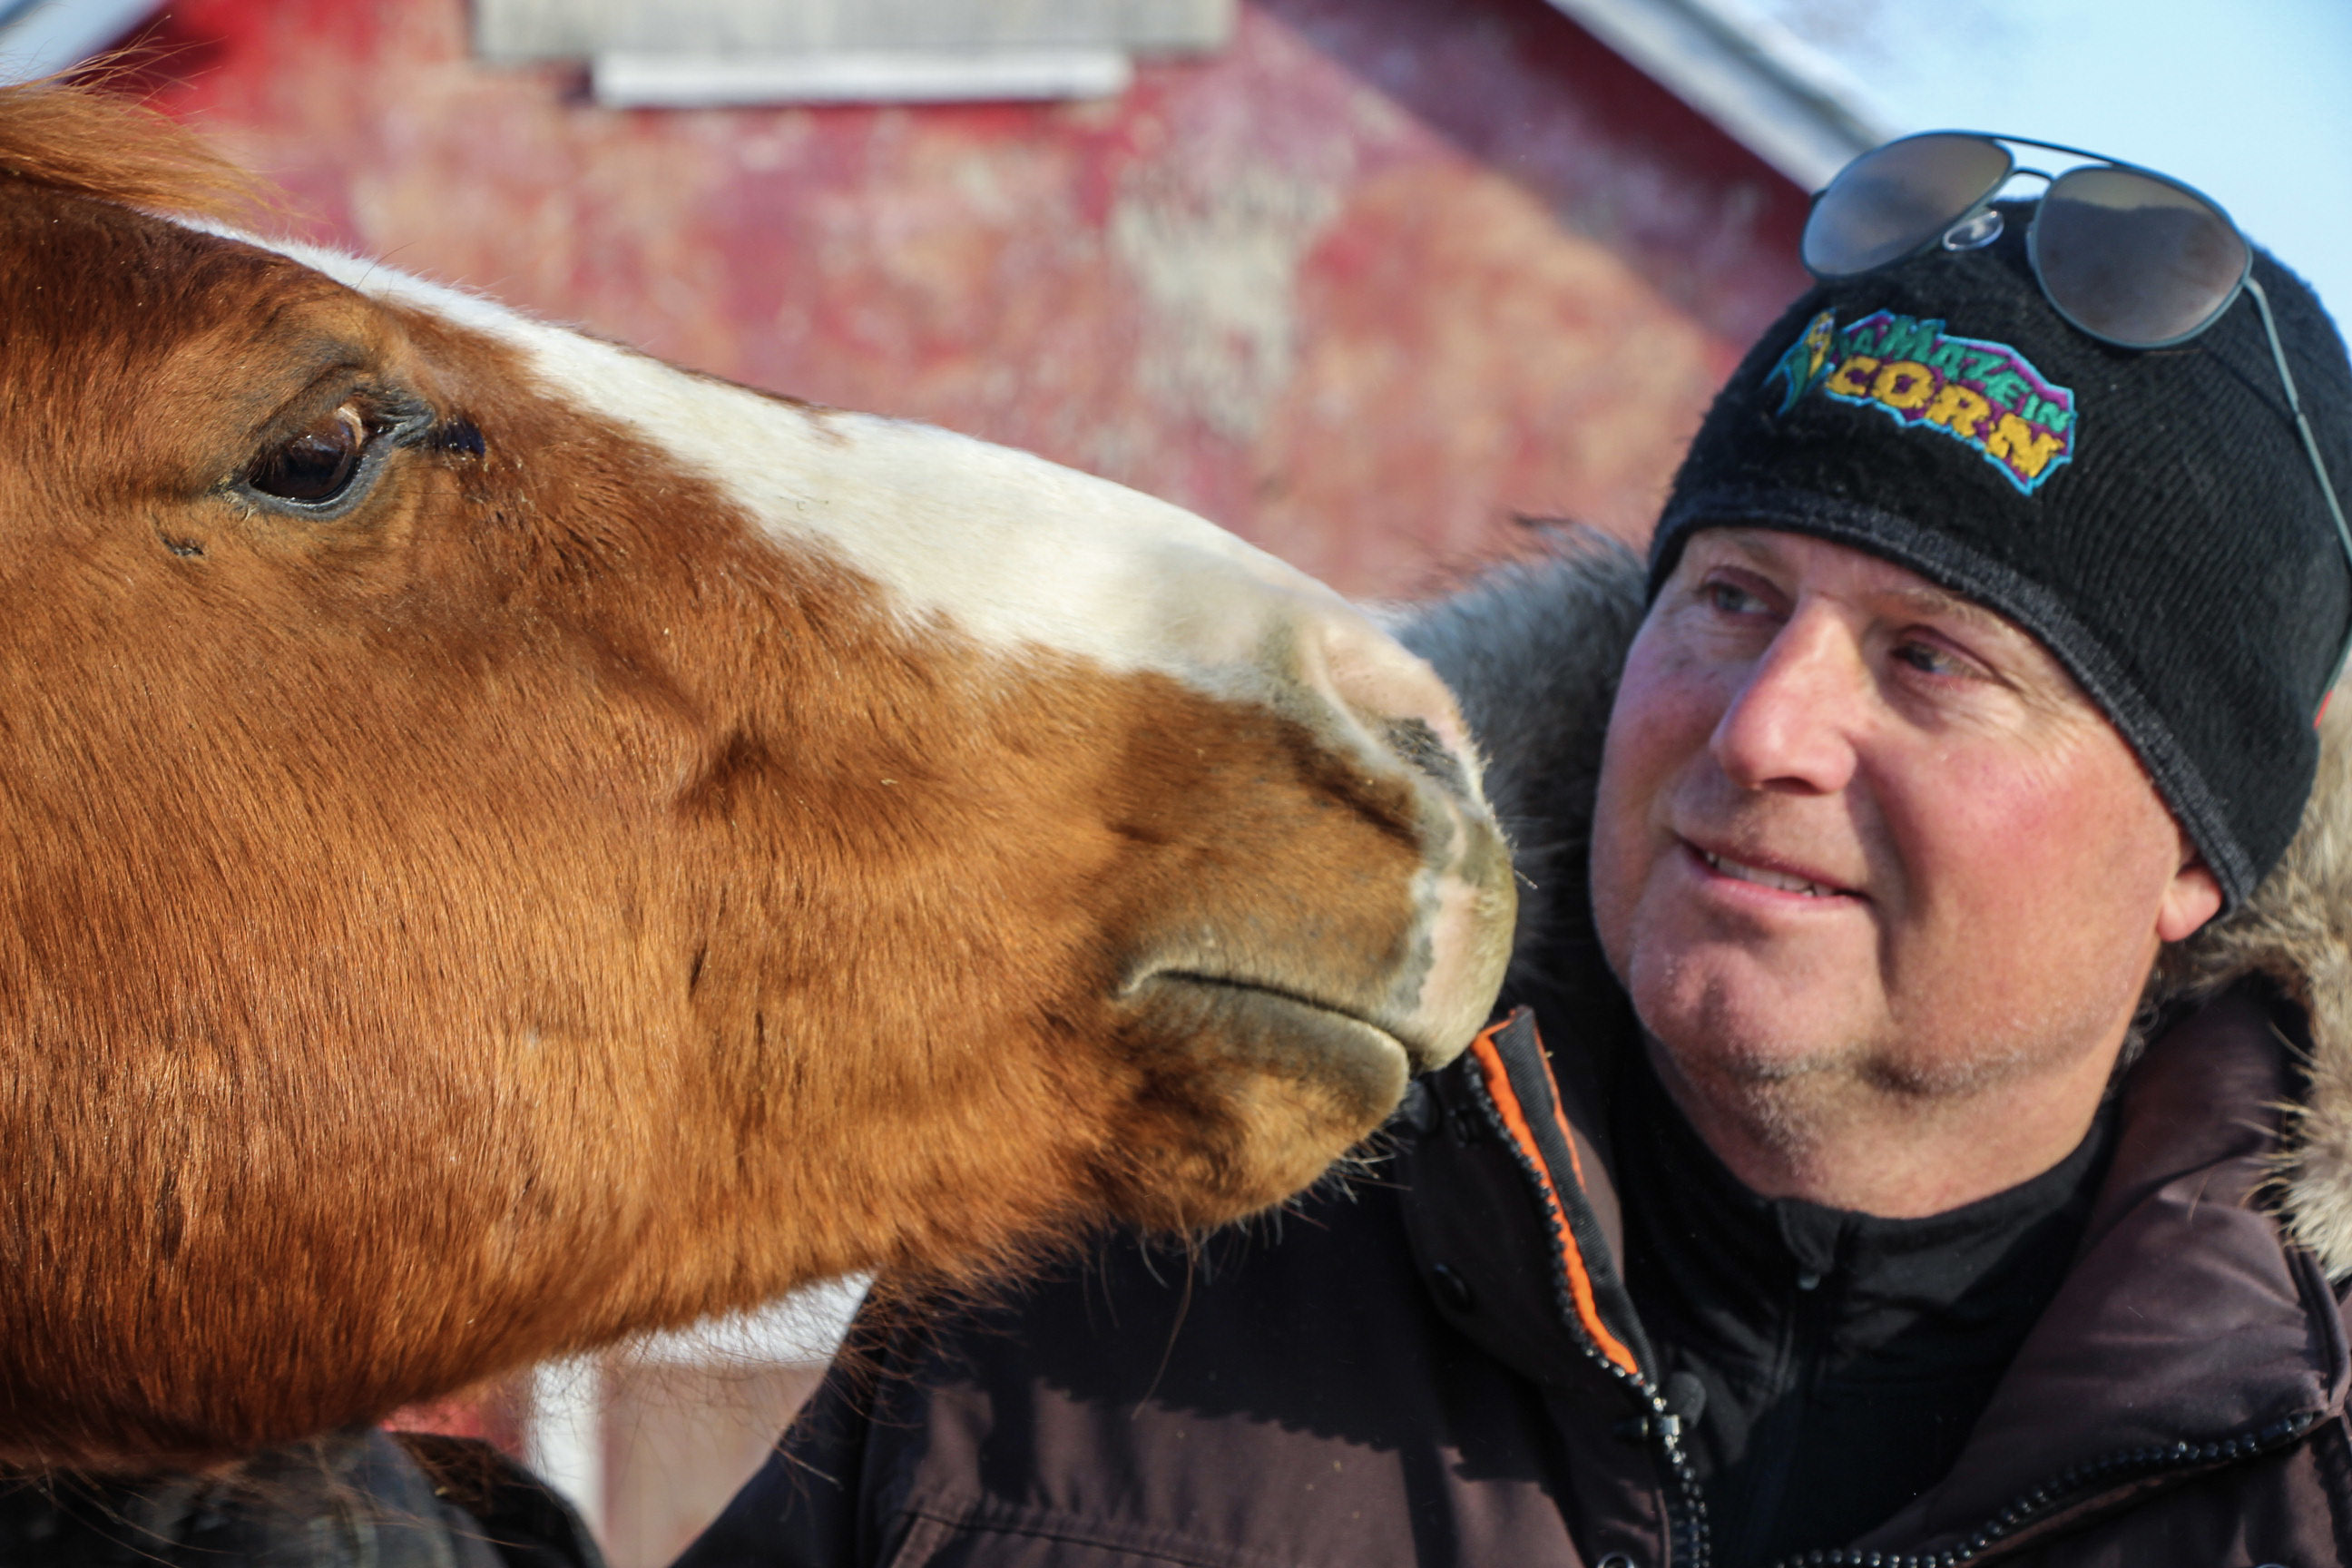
(456, 435)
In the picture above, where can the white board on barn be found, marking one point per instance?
(577, 29)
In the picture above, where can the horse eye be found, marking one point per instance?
(316, 466)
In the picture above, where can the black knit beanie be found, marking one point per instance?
(2148, 514)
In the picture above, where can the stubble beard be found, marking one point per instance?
(1795, 1097)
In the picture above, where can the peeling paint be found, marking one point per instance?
(1218, 270)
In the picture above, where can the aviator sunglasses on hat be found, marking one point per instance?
(2131, 256)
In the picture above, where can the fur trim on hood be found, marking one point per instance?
(1533, 651)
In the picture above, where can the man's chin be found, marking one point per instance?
(1736, 1029)
(1739, 1059)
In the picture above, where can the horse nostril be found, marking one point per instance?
(1399, 702)
(1418, 744)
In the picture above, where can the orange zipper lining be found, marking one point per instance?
(1515, 1121)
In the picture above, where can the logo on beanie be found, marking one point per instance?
(1984, 394)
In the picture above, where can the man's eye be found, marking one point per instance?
(1930, 660)
(1729, 600)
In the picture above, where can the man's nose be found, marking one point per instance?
(1792, 724)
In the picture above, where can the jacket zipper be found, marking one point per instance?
(1688, 1540)
(1687, 1543)
(2080, 1484)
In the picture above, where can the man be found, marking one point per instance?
(1843, 1190)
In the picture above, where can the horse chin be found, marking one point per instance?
(1259, 1091)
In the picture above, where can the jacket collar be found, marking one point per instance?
(2190, 1331)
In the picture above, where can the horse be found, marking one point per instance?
(509, 844)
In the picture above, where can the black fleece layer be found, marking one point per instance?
(1843, 1358)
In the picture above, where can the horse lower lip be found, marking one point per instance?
(1313, 1025)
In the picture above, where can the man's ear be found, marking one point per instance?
(2193, 897)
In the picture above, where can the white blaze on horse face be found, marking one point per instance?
(1004, 547)
(1018, 554)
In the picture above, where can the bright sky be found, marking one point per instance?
(2249, 100)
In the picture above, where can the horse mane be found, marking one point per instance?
(72, 138)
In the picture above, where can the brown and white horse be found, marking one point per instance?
(508, 843)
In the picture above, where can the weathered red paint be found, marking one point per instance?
(1369, 283)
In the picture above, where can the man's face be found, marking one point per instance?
(1850, 824)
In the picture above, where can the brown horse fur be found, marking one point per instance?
(535, 907)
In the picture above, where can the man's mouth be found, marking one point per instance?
(1764, 877)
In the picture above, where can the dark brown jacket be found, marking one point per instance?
(1436, 1364)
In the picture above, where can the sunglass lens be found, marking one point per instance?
(2134, 259)
(1888, 203)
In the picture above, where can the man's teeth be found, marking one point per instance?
(1763, 878)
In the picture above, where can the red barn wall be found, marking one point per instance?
(1364, 287)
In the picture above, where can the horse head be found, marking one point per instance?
(510, 844)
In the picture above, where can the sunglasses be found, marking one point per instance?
(2131, 256)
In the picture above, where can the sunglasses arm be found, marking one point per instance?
(2311, 448)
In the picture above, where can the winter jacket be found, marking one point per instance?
(1433, 1360)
